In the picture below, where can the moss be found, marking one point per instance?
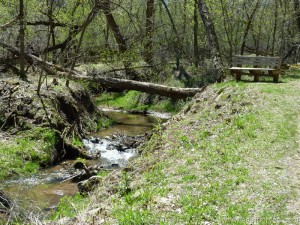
(79, 162)
(77, 142)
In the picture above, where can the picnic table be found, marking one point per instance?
(256, 66)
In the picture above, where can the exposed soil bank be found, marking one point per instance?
(39, 130)
(43, 128)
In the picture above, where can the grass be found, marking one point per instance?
(225, 159)
(220, 164)
(25, 154)
(133, 100)
(66, 207)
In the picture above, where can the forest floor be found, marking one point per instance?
(231, 156)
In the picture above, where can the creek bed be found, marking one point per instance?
(45, 189)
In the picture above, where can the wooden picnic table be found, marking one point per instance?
(256, 66)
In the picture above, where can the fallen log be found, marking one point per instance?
(47, 66)
(121, 84)
(151, 88)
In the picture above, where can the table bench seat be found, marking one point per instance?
(256, 66)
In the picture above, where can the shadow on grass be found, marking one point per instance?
(284, 78)
(263, 81)
(292, 76)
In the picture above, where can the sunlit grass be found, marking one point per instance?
(220, 162)
(25, 154)
(224, 169)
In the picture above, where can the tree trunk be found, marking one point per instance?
(196, 29)
(51, 26)
(22, 41)
(248, 26)
(297, 13)
(118, 37)
(275, 28)
(148, 47)
(185, 23)
(213, 40)
(51, 29)
(177, 47)
(47, 66)
(94, 12)
(151, 88)
(114, 27)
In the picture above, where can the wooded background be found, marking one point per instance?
(152, 34)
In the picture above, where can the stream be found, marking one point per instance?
(45, 189)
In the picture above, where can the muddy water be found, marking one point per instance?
(45, 189)
(131, 124)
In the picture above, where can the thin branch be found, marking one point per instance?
(10, 23)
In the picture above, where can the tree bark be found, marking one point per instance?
(22, 41)
(212, 39)
(177, 47)
(248, 26)
(47, 66)
(51, 30)
(297, 13)
(196, 29)
(275, 28)
(118, 37)
(151, 88)
(148, 47)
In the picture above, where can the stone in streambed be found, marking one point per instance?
(5, 202)
(89, 185)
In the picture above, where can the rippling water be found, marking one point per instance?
(109, 155)
(47, 187)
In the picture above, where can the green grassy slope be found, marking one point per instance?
(228, 158)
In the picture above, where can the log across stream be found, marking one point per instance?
(45, 189)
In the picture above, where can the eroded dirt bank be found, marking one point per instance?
(66, 114)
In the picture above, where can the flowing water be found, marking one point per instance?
(45, 189)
